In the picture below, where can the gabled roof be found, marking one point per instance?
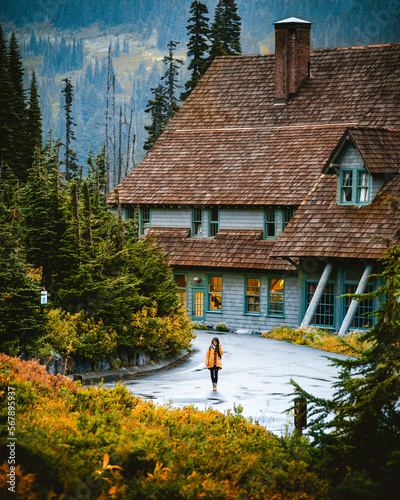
(230, 144)
(380, 149)
(230, 249)
(322, 228)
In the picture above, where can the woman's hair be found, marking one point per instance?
(216, 338)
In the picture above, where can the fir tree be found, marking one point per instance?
(71, 166)
(6, 110)
(171, 78)
(225, 31)
(157, 107)
(34, 128)
(198, 31)
(18, 118)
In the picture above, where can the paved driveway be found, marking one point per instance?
(256, 375)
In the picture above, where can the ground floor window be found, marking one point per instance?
(362, 318)
(181, 285)
(252, 295)
(275, 296)
(325, 313)
(215, 293)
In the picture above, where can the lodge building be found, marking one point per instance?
(267, 188)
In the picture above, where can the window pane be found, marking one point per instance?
(270, 223)
(347, 186)
(197, 221)
(362, 194)
(213, 221)
(324, 315)
(181, 280)
(253, 295)
(144, 220)
(215, 291)
(362, 318)
(287, 216)
(275, 302)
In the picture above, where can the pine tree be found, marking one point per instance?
(171, 78)
(18, 118)
(34, 125)
(225, 31)
(198, 31)
(71, 166)
(6, 110)
(157, 107)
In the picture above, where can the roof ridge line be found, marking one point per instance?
(282, 127)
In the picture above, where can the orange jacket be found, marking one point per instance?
(210, 357)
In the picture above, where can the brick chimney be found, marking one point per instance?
(292, 56)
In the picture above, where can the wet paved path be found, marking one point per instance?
(256, 375)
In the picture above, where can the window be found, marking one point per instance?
(325, 313)
(129, 212)
(270, 224)
(144, 220)
(362, 318)
(213, 222)
(287, 216)
(215, 293)
(252, 296)
(197, 222)
(181, 285)
(354, 186)
(275, 296)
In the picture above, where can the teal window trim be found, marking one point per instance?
(252, 300)
(354, 186)
(214, 293)
(325, 315)
(197, 222)
(182, 290)
(275, 298)
(287, 215)
(363, 319)
(144, 220)
(270, 224)
(213, 222)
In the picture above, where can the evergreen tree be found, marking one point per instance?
(171, 78)
(198, 31)
(34, 126)
(6, 110)
(18, 118)
(71, 166)
(359, 429)
(225, 31)
(157, 107)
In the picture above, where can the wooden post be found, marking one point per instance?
(300, 414)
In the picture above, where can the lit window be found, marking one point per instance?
(214, 221)
(197, 222)
(144, 220)
(252, 297)
(275, 296)
(354, 186)
(270, 224)
(181, 285)
(215, 293)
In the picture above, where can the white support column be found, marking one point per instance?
(312, 308)
(351, 312)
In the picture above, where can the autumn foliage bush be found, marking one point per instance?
(352, 344)
(97, 443)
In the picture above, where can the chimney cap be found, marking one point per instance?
(293, 22)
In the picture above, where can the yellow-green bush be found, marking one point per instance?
(320, 338)
(98, 443)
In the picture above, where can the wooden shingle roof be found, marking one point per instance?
(230, 144)
(230, 249)
(322, 228)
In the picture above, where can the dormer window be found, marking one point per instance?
(354, 186)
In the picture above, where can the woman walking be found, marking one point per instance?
(213, 360)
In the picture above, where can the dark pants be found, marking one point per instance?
(214, 375)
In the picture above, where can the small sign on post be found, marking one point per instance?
(43, 297)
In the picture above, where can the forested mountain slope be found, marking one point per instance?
(70, 38)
